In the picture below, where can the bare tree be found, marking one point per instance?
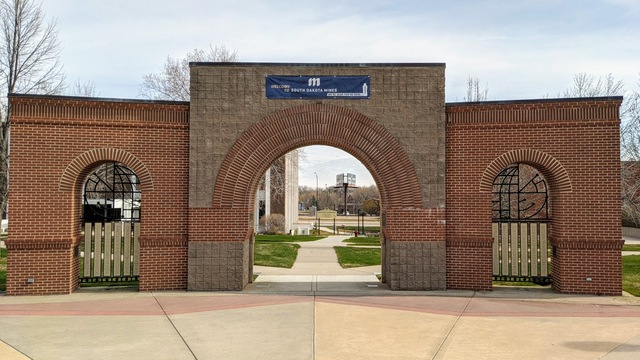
(29, 63)
(172, 83)
(87, 88)
(630, 153)
(332, 198)
(474, 91)
(585, 85)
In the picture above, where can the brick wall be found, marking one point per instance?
(41, 268)
(575, 145)
(198, 179)
(55, 142)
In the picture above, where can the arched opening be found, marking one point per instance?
(322, 242)
(401, 196)
(265, 141)
(111, 206)
(521, 225)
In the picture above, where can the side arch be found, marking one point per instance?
(317, 124)
(79, 167)
(550, 168)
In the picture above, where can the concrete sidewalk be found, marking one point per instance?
(317, 272)
(317, 310)
(503, 324)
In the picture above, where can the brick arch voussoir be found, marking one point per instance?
(81, 165)
(550, 168)
(304, 125)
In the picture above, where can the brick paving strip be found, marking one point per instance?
(177, 303)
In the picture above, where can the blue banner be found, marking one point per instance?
(317, 87)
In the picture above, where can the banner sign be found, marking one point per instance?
(317, 87)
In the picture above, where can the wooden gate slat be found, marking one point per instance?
(496, 249)
(514, 248)
(88, 229)
(534, 250)
(97, 250)
(524, 249)
(108, 238)
(136, 249)
(544, 254)
(127, 249)
(505, 248)
(117, 251)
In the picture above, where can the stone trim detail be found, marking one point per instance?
(79, 167)
(14, 244)
(325, 124)
(589, 245)
(470, 243)
(551, 169)
(534, 111)
(162, 242)
(42, 108)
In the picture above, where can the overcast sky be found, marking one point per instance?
(520, 49)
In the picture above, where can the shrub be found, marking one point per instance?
(272, 224)
(371, 206)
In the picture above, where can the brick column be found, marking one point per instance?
(219, 249)
(42, 267)
(415, 252)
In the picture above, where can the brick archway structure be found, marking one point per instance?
(549, 167)
(317, 124)
(565, 140)
(81, 165)
(555, 175)
(434, 164)
(399, 138)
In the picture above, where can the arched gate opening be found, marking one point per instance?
(111, 205)
(521, 225)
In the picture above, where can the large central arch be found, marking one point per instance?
(236, 132)
(380, 152)
(317, 124)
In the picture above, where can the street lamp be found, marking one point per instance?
(317, 215)
(316, 190)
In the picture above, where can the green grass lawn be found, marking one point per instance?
(631, 274)
(349, 257)
(286, 238)
(363, 241)
(631, 247)
(275, 254)
(277, 250)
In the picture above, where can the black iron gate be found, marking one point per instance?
(521, 226)
(110, 250)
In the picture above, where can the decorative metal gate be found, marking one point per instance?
(110, 252)
(521, 226)
(111, 216)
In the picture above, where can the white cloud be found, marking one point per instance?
(328, 162)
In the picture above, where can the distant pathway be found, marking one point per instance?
(318, 258)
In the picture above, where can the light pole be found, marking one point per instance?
(317, 215)
(316, 191)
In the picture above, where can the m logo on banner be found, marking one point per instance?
(314, 81)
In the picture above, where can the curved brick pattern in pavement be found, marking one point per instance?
(504, 324)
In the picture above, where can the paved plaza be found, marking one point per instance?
(316, 310)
